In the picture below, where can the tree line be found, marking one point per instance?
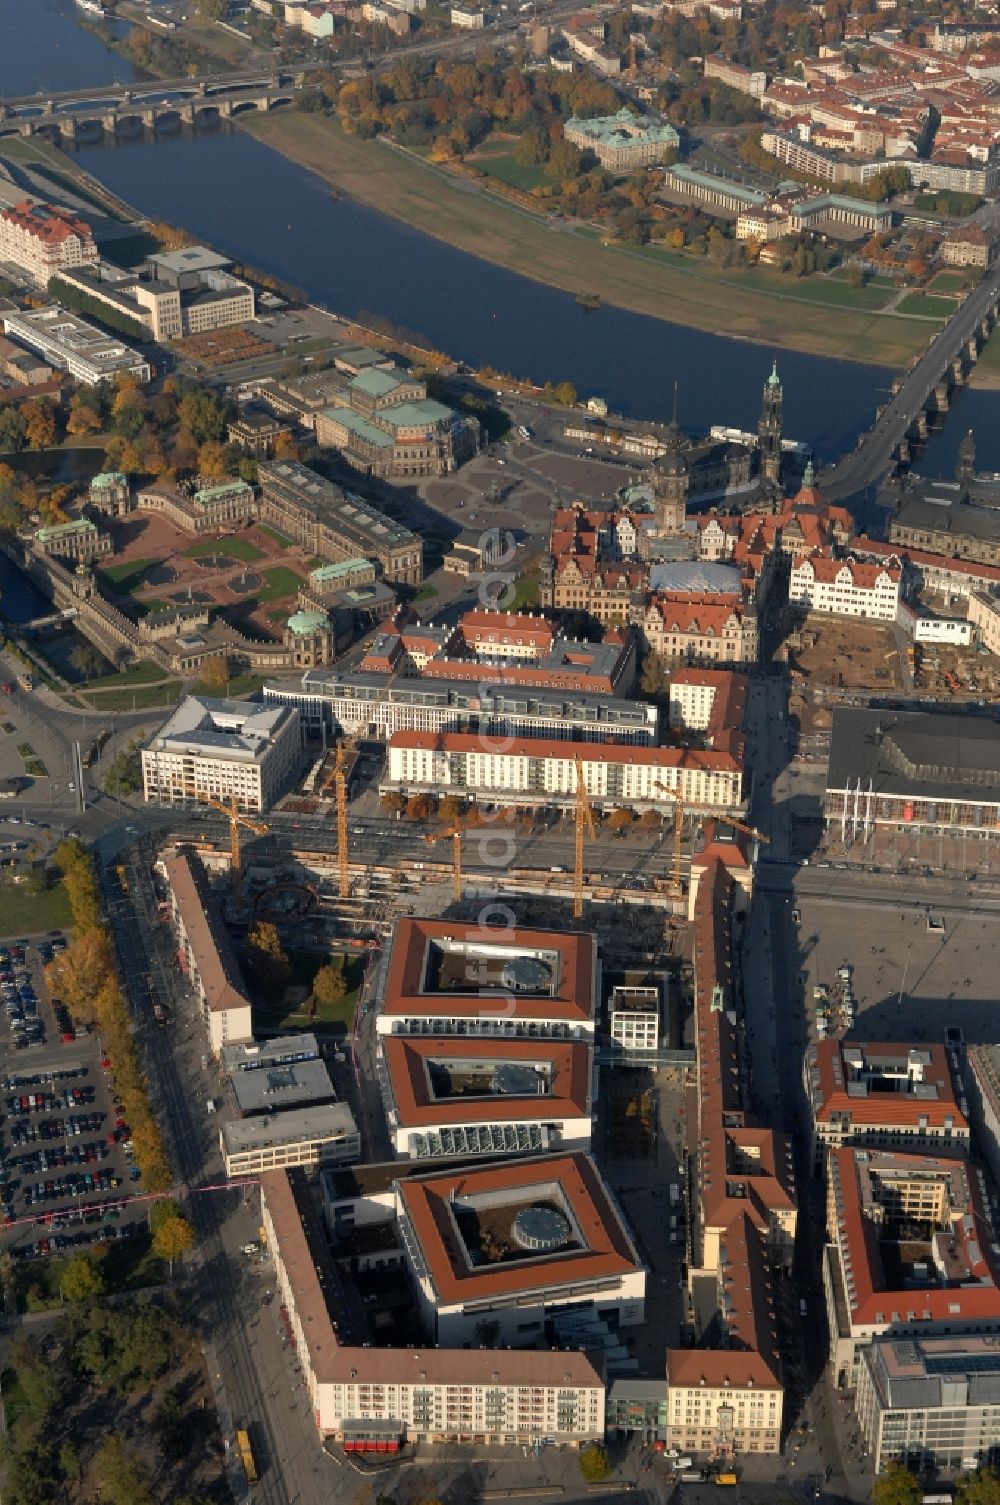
(84, 976)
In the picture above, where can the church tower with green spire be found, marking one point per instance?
(769, 428)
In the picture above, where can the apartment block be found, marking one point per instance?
(43, 240)
(541, 772)
(205, 952)
(846, 587)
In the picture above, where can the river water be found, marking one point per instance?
(232, 191)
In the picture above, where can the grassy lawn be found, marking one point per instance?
(278, 618)
(25, 913)
(154, 605)
(143, 673)
(525, 592)
(948, 282)
(480, 223)
(331, 1019)
(128, 576)
(425, 593)
(280, 583)
(922, 303)
(239, 548)
(246, 684)
(144, 698)
(275, 536)
(502, 165)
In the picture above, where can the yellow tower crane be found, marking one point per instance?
(584, 825)
(236, 819)
(730, 820)
(455, 833)
(338, 778)
(675, 876)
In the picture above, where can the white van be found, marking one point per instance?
(681, 1463)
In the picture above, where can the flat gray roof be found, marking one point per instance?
(936, 755)
(330, 1121)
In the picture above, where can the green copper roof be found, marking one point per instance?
(774, 380)
(339, 570)
(109, 478)
(302, 622)
(65, 530)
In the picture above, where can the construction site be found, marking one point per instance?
(844, 653)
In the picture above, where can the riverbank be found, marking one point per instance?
(811, 316)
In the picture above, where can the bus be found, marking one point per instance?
(246, 1455)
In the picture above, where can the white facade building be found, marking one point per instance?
(539, 771)
(956, 631)
(72, 345)
(323, 1135)
(221, 749)
(846, 587)
(634, 1016)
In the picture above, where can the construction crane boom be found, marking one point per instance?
(236, 819)
(455, 834)
(584, 825)
(338, 779)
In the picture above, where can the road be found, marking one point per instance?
(873, 457)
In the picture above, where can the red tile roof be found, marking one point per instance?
(707, 759)
(890, 1106)
(428, 1203)
(48, 222)
(572, 1002)
(408, 1057)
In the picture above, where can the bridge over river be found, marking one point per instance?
(924, 391)
(219, 94)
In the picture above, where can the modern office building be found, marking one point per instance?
(223, 750)
(929, 772)
(460, 1097)
(512, 1243)
(71, 344)
(205, 952)
(450, 977)
(887, 1096)
(271, 1076)
(931, 1402)
(378, 705)
(634, 1018)
(373, 1399)
(314, 1136)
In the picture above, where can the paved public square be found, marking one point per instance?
(910, 982)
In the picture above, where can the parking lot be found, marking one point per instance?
(65, 1151)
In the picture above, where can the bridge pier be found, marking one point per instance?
(972, 351)
(958, 370)
(110, 121)
(186, 112)
(921, 420)
(148, 118)
(67, 128)
(941, 401)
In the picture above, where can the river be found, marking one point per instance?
(42, 47)
(231, 190)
